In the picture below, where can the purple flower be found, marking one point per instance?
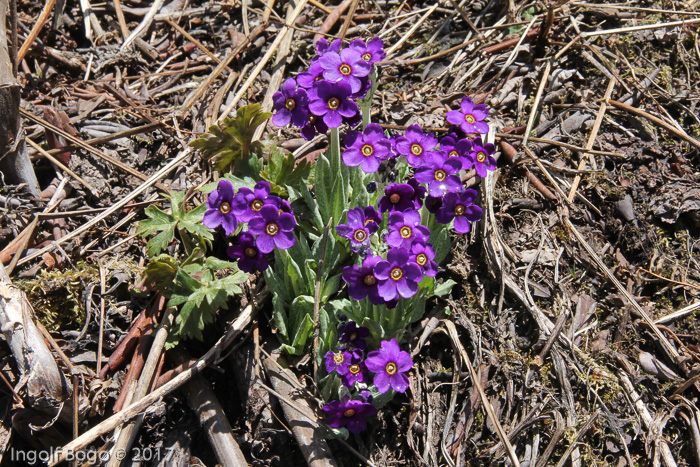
(330, 101)
(355, 230)
(365, 86)
(433, 203)
(461, 208)
(423, 254)
(338, 361)
(356, 371)
(459, 150)
(322, 46)
(480, 157)
(347, 66)
(389, 364)
(416, 146)
(372, 219)
(354, 335)
(398, 197)
(290, 104)
(247, 253)
(372, 52)
(441, 176)
(419, 192)
(219, 211)
(471, 118)
(273, 229)
(397, 275)
(349, 414)
(404, 228)
(361, 280)
(247, 203)
(308, 78)
(366, 149)
(314, 125)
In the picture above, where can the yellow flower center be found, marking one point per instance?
(367, 56)
(480, 156)
(396, 274)
(345, 69)
(333, 103)
(272, 229)
(405, 232)
(453, 153)
(369, 279)
(338, 358)
(359, 236)
(289, 104)
(349, 413)
(416, 149)
(353, 336)
(390, 368)
(394, 198)
(250, 252)
(354, 368)
(367, 150)
(459, 210)
(470, 118)
(421, 259)
(312, 119)
(225, 208)
(440, 175)
(256, 205)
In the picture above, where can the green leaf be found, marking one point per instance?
(161, 222)
(283, 172)
(279, 312)
(160, 273)
(233, 139)
(443, 289)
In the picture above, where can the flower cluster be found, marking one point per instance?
(388, 365)
(270, 222)
(324, 96)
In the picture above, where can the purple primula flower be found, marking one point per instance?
(219, 211)
(372, 52)
(330, 101)
(347, 66)
(365, 86)
(423, 254)
(247, 203)
(314, 125)
(353, 335)
(356, 371)
(397, 275)
(338, 361)
(405, 228)
(355, 230)
(247, 253)
(273, 229)
(389, 364)
(291, 105)
(372, 219)
(459, 150)
(480, 157)
(367, 149)
(362, 282)
(416, 146)
(433, 203)
(441, 176)
(349, 414)
(308, 78)
(322, 46)
(398, 197)
(461, 208)
(419, 192)
(471, 117)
